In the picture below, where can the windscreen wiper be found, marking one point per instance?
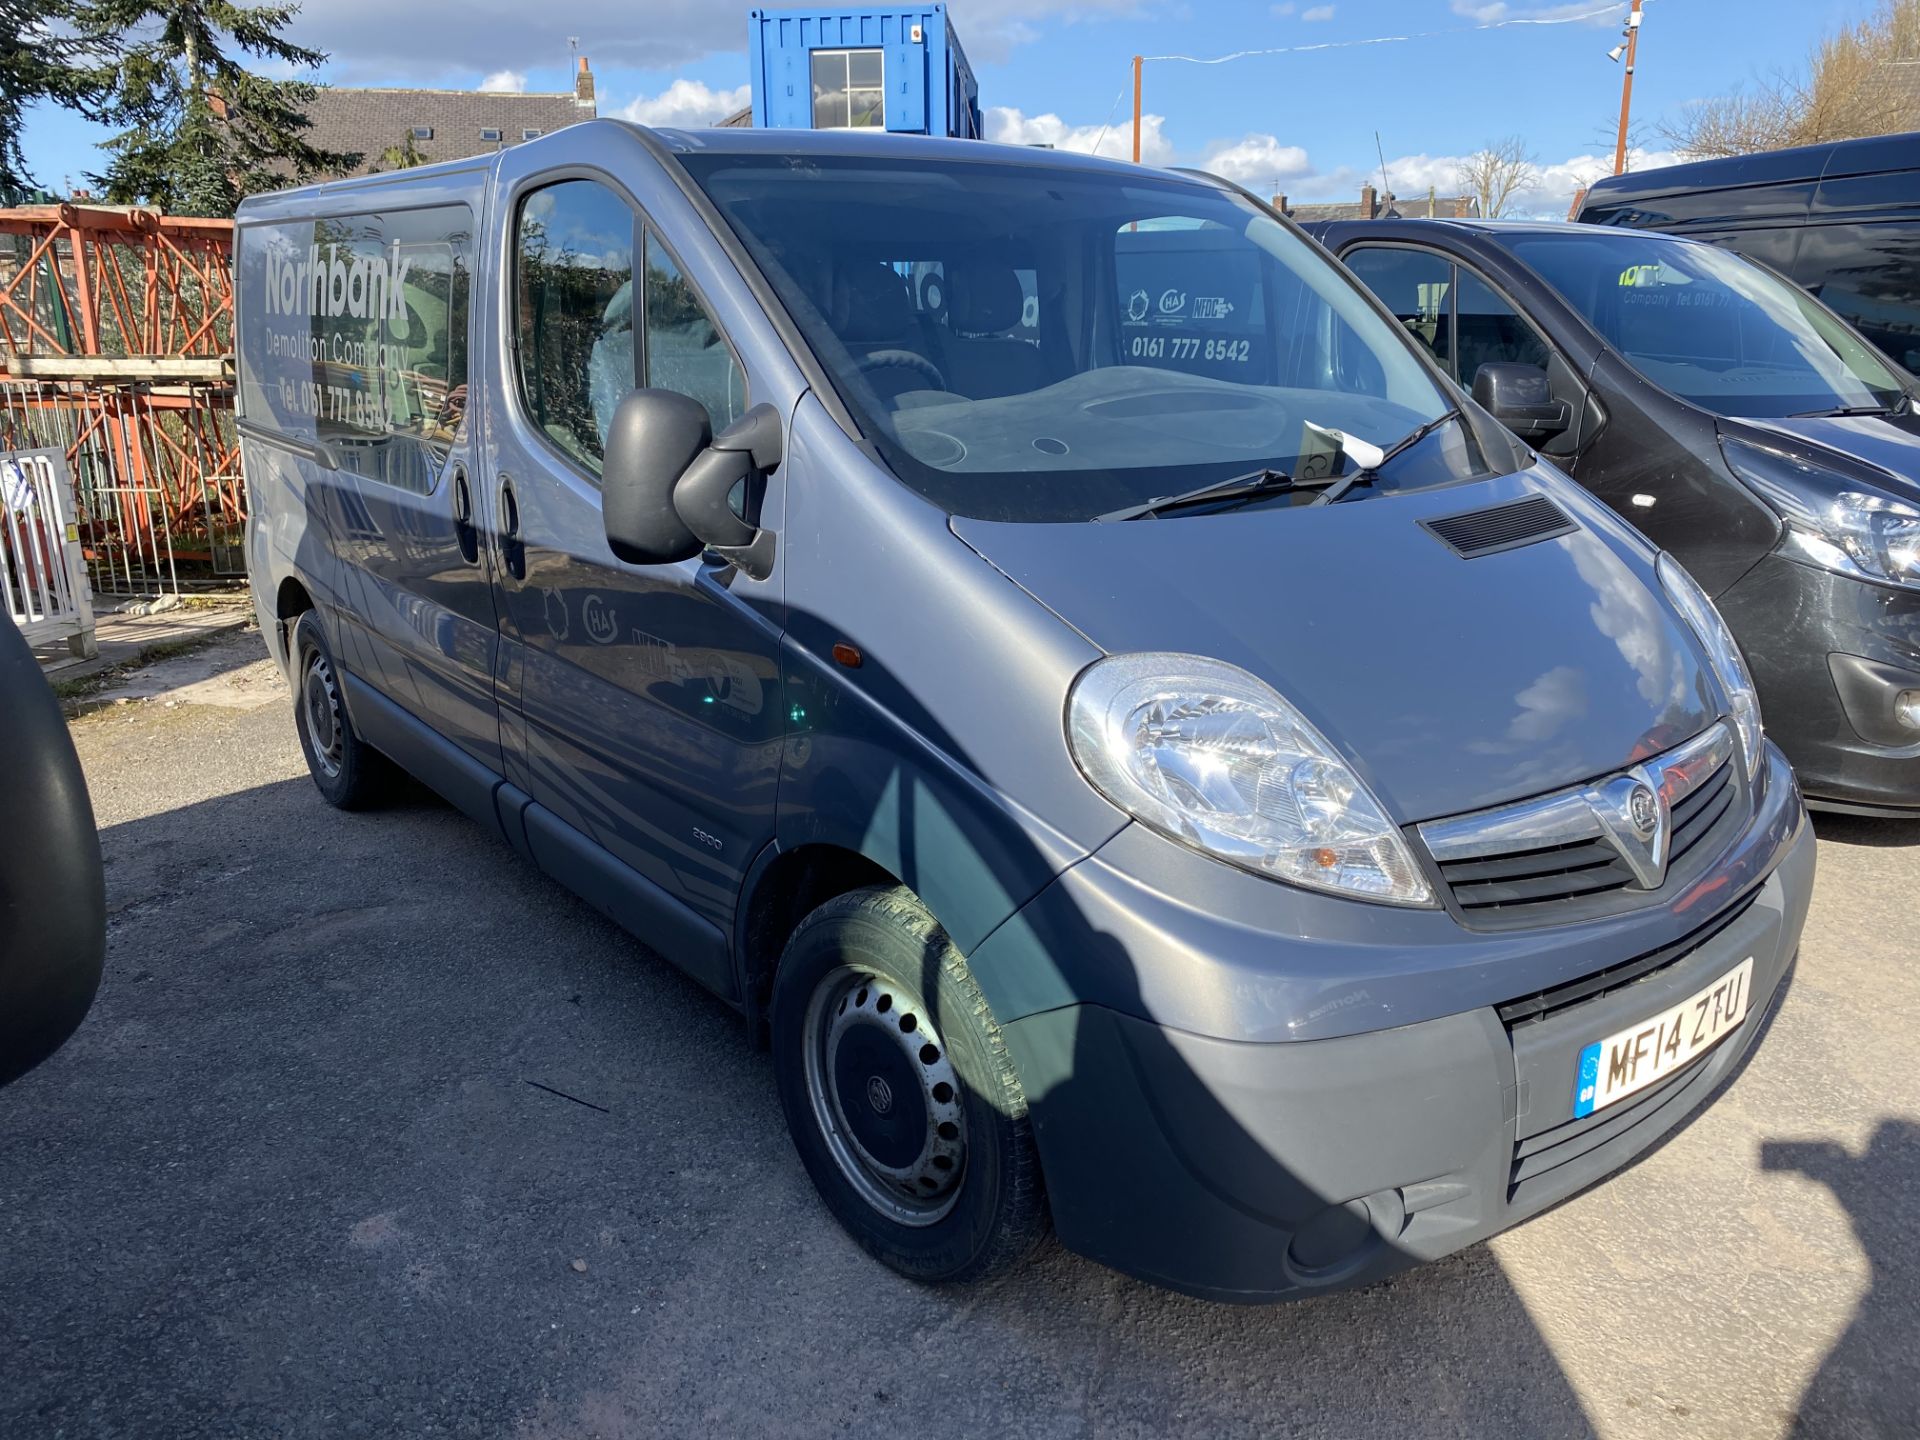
(1841, 412)
(1264, 481)
(1366, 475)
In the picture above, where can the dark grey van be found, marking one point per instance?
(1841, 219)
(1034, 636)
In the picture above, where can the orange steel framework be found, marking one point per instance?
(116, 331)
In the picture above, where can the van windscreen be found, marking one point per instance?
(1709, 326)
(1044, 342)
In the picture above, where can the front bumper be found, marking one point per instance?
(1264, 1169)
(1829, 655)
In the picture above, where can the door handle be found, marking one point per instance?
(463, 529)
(513, 551)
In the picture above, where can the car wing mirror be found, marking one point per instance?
(670, 487)
(653, 437)
(718, 497)
(1521, 398)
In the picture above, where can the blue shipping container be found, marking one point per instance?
(901, 68)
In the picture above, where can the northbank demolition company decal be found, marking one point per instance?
(334, 282)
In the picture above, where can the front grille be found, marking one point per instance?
(1538, 1155)
(1553, 860)
(1531, 1009)
(1500, 527)
(1525, 878)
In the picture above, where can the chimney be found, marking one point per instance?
(1369, 202)
(583, 88)
(1280, 203)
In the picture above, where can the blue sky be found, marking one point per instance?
(1300, 122)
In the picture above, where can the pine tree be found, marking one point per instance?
(198, 130)
(37, 62)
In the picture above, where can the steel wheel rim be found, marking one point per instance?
(320, 703)
(864, 1037)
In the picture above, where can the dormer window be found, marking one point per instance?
(530, 134)
(488, 132)
(423, 132)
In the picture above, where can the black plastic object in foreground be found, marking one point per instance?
(653, 437)
(53, 900)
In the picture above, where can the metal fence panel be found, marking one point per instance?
(44, 570)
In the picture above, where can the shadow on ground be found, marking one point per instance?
(1865, 830)
(1867, 1383)
(360, 1090)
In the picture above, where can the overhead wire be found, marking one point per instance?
(1617, 8)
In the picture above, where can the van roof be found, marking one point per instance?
(873, 144)
(1769, 167)
(735, 140)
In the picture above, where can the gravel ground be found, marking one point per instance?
(374, 1131)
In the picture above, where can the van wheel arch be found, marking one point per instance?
(290, 602)
(785, 887)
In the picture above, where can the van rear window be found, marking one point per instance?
(356, 336)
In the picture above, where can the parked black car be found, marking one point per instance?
(1739, 423)
(1841, 219)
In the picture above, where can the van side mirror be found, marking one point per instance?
(652, 439)
(670, 487)
(1520, 397)
(719, 496)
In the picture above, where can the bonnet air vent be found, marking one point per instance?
(1503, 527)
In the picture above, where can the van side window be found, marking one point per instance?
(683, 347)
(1870, 273)
(1488, 330)
(573, 283)
(1417, 286)
(361, 338)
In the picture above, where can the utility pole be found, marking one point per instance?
(1136, 107)
(1626, 89)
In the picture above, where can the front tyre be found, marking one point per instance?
(899, 1092)
(350, 773)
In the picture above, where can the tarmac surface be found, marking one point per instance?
(375, 1131)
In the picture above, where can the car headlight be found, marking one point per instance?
(1717, 640)
(1834, 520)
(1206, 753)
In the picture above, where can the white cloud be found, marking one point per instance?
(1489, 12)
(1280, 12)
(1010, 126)
(511, 80)
(1260, 162)
(687, 103)
(1412, 175)
(379, 41)
(1318, 12)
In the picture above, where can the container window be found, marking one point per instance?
(574, 283)
(849, 90)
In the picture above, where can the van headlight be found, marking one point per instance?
(1206, 753)
(1717, 640)
(1833, 520)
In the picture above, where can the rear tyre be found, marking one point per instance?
(900, 1094)
(350, 773)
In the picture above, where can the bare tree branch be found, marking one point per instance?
(1498, 173)
(1863, 79)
